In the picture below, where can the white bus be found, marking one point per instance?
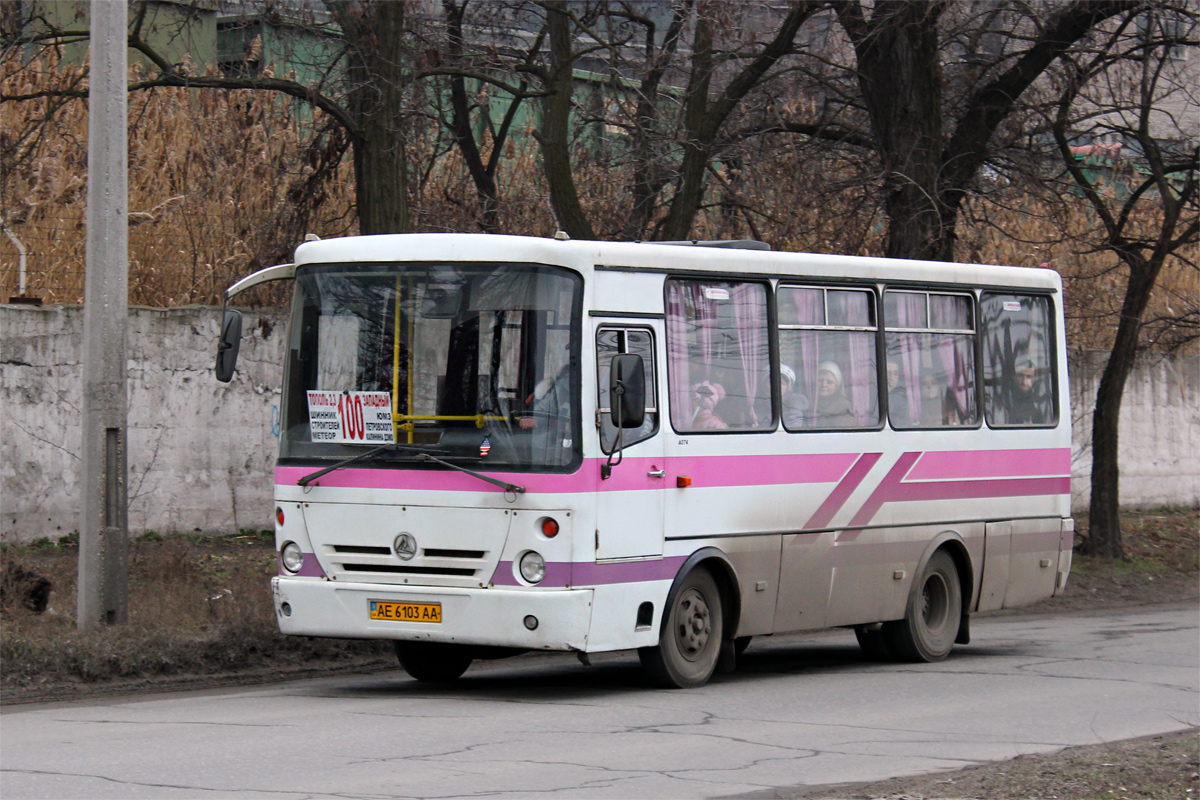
(494, 444)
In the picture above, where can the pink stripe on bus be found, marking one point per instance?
(949, 464)
(895, 489)
(630, 475)
(761, 470)
(837, 498)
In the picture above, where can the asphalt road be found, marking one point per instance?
(801, 710)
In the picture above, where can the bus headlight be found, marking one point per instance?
(533, 567)
(292, 557)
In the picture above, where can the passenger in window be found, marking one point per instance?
(932, 403)
(795, 405)
(939, 409)
(833, 407)
(705, 396)
(897, 395)
(1027, 407)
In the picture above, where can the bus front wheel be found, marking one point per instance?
(930, 624)
(689, 642)
(433, 662)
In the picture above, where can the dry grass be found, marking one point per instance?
(197, 606)
(213, 185)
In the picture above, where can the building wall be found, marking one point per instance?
(201, 453)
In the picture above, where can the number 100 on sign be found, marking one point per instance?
(351, 417)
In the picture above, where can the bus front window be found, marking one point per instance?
(474, 361)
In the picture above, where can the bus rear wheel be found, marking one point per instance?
(689, 642)
(433, 662)
(930, 624)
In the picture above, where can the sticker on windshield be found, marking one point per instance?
(351, 417)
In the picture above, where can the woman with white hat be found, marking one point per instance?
(833, 407)
(795, 405)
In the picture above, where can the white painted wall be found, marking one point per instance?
(202, 452)
(1159, 436)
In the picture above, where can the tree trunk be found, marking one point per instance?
(555, 134)
(1104, 524)
(376, 73)
(900, 79)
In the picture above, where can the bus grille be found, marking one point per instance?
(432, 566)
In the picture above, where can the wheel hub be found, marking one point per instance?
(694, 624)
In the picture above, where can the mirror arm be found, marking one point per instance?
(618, 450)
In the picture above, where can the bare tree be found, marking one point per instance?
(1145, 204)
(932, 142)
(366, 96)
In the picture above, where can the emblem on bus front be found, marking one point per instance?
(405, 546)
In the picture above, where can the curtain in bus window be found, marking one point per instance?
(750, 309)
(908, 311)
(690, 317)
(718, 353)
(956, 353)
(801, 348)
(853, 309)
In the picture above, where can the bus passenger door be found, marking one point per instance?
(629, 503)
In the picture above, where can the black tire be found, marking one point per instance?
(874, 644)
(433, 662)
(689, 642)
(930, 624)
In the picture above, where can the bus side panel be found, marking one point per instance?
(755, 559)
(1033, 563)
(994, 581)
(806, 567)
(874, 570)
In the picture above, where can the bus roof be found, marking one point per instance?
(587, 256)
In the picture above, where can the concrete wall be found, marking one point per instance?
(201, 452)
(1159, 434)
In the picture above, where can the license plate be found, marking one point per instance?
(406, 612)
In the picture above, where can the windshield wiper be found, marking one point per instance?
(312, 476)
(508, 487)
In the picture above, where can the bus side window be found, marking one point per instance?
(718, 355)
(828, 376)
(610, 342)
(930, 340)
(1018, 360)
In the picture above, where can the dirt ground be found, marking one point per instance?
(1151, 768)
(201, 618)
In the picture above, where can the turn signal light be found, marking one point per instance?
(549, 527)
(683, 481)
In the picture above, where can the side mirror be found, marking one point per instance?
(627, 390)
(227, 348)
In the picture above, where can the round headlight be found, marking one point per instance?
(533, 567)
(292, 557)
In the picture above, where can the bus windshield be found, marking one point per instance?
(476, 363)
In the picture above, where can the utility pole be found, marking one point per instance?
(103, 590)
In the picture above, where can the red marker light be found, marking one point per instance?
(683, 481)
(549, 528)
(279, 516)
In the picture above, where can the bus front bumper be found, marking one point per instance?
(499, 617)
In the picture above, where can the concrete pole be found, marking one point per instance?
(103, 591)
